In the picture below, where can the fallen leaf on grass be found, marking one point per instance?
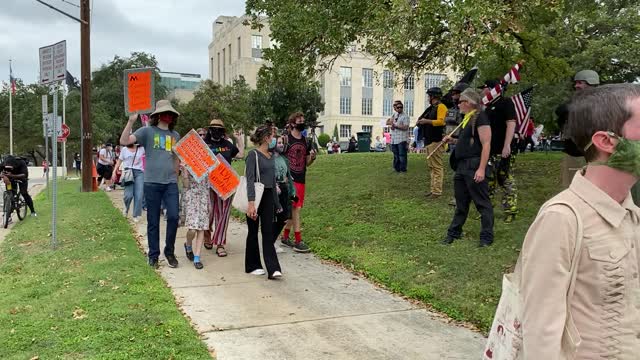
(79, 314)
(431, 272)
(35, 358)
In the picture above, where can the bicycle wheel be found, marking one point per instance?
(21, 207)
(7, 207)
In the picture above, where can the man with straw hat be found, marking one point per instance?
(160, 177)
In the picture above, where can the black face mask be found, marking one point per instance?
(216, 133)
(300, 127)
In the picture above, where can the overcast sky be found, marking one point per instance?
(177, 32)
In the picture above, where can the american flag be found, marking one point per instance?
(522, 102)
(512, 77)
(12, 80)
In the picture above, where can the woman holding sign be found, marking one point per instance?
(260, 166)
(220, 208)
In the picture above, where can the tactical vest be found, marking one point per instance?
(430, 133)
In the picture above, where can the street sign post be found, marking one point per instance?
(53, 62)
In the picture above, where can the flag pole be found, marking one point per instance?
(10, 110)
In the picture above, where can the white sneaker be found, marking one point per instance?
(124, 213)
(258, 272)
(136, 219)
(276, 275)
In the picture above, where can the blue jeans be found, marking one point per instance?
(399, 156)
(154, 194)
(134, 192)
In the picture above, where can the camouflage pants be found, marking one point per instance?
(502, 176)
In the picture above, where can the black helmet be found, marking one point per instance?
(460, 87)
(435, 91)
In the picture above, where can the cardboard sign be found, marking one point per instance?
(139, 91)
(223, 179)
(195, 155)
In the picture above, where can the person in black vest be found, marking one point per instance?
(454, 117)
(473, 148)
(432, 129)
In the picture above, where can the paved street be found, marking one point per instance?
(318, 311)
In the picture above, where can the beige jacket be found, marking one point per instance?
(605, 306)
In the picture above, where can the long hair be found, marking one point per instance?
(261, 133)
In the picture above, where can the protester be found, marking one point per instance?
(300, 156)
(160, 177)
(353, 145)
(131, 158)
(454, 117)
(105, 166)
(77, 160)
(260, 167)
(571, 163)
(196, 213)
(528, 137)
(473, 148)
(432, 124)
(16, 168)
(45, 167)
(600, 317)
(399, 124)
(336, 147)
(215, 137)
(502, 114)
(379, 145)
(285, 187)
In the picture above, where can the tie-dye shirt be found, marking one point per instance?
(160, 161)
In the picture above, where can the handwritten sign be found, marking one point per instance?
(195, 155)
(223, 179)
(139, 91)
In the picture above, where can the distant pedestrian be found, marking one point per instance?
(78, 161)
(131, 158)
(196, 212)
(215, 137)
(285, 187)
(105, 166)
(45, 167)
(260, 167)
(160, 177)
(399, 124)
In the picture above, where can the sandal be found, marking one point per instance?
(221, 251)
(208, 246)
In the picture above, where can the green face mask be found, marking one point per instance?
(625, 158)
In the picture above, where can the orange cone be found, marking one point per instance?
(94, 176)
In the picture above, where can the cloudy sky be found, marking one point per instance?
(177, 32)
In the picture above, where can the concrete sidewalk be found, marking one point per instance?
(317, 311)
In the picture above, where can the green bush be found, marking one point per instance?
(323, 139)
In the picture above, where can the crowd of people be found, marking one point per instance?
(152, 173)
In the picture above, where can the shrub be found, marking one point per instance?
(323, 139)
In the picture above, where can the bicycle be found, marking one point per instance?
(12, 200)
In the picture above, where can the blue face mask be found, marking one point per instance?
(273, 143)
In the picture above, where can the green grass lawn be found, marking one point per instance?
(92, 298)
(362, 214)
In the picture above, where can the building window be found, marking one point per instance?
(367, 128)
(409, 82)
(345, 76)
(367, 106)
(239, 48)
(229, 54)
(211, 68)
(345, 131)
(219, 64)
(387, 79)
(367, 78)
(433, 80)
(408, 106)
(224, 69)
(345, 105)
(256, 46)
(387, 107)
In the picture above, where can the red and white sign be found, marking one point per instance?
(64, 132)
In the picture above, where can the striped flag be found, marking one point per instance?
(12, 80)
(512, 77)
(522, 103)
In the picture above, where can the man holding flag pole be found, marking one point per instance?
(12, 93)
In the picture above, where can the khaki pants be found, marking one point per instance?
(436, 166)
(570, 165)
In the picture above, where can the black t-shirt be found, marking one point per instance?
(297, 152)
(499, 112)
(465, 148)
(225, 148)
(19, 166)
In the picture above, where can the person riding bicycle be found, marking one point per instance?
(15, 168)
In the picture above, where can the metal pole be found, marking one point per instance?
(54, 142)
(64, 144)
(10, 115)
(45, 127)
(85, 70)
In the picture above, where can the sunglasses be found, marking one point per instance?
(202, 135)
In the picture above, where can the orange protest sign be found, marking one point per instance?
(223, 179)
(139, 90)
(195, 155)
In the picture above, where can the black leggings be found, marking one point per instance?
(266, 215)
(285, 215)
(23, 187)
